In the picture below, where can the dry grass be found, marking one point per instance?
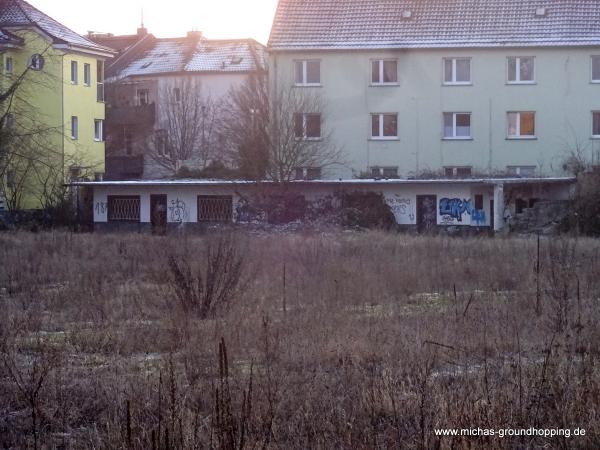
(352, 340)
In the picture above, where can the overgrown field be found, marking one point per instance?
(336, 341)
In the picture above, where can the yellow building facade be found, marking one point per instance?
(52, 105)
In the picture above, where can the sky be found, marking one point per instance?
(217, 19)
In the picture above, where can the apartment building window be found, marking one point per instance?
(36, 62)
(307, 126)
(457, 71)
(100, 81)
(457, 125)
(308, 173)
(384, 126)
(596, 69)
(143, 97)
(87, 74)
(521, 69)
(384, 71)
(8, 65)
(74, 78)
(596, 124)
(384, 172)
(308, 73)
(458, 171)
(74, 127)
(160, 138)
(521, 125)
(521, 171)
(98, 130)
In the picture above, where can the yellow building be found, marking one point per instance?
(52, 100)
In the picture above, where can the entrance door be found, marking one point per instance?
(426, 213)
(158, 215)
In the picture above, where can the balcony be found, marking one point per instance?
(131, 115)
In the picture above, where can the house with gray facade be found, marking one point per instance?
(150, 89)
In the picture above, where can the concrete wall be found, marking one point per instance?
(562, 97)
(455, 202)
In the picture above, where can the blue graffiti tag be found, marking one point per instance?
(478, 216)
(455, 208)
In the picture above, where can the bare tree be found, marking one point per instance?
(273, 137)
(31, 165)
(188, 127)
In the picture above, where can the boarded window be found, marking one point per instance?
(123, 208)
(215, 208)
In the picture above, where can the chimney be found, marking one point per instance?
(194, 34)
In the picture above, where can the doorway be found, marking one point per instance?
(158, 213)
(426, 213)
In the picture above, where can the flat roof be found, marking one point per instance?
(352, 182)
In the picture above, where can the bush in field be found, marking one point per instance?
(366, 210)
(203, 290)
(586, 207)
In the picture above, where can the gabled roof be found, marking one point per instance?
(19, 13)
(119, 43)
(356, 24)
(153, 56)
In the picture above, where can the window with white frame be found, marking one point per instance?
(384, 126)
(87, 74)
(457, 71)
(307, 125)
(457, 125)
(596, 124)
(142, 97)
(74, 127)
(74, 77)
(36, 62)
(521, 124)
(458, 171)
(384, 172)
(307, 173)
(308, 72)
(596, 69)
(8, 65)
(521, 171)
(521, 69)
(384, 71)
(98, 130)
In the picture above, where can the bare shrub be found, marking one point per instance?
(202, 291)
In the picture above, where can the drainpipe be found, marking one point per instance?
(498, 207)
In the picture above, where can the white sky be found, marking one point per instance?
(215, 18)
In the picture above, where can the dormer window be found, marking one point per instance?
(36, 62)
(407, 14)
(541, 12)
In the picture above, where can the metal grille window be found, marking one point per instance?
(123, 208)
(215, 208)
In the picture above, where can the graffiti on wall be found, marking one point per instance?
(453, 209)
(101, 208)
(178, 211)
(402, 208)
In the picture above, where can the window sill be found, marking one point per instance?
(458, 84)
(73, 83)
(595, 82)
(521, 83)
(521, 138)
(87, 85)
(595, 137)
(384, 84)
(457, 139)
(308, 139)
(308, 85)
(384, 139)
